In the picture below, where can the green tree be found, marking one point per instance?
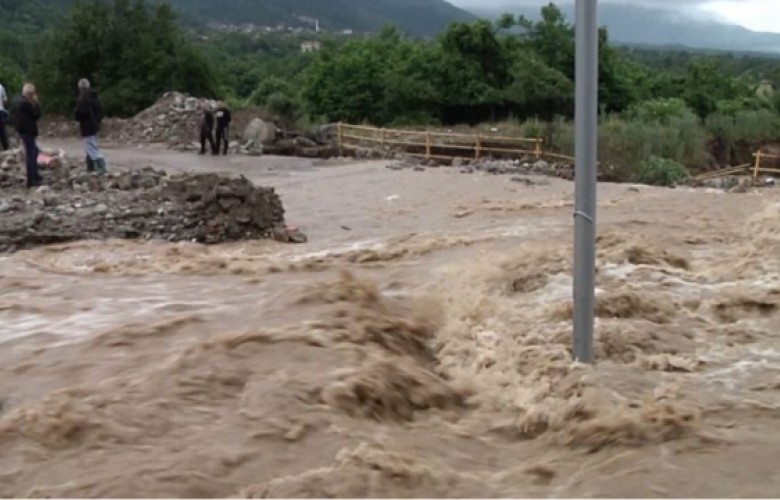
(538, 90)
(347, 84)
(706, 83)
(132, 52)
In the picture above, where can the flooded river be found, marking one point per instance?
(418, 345)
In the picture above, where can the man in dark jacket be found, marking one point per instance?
(89, 114)
(27, 112)
(206, 128)
(223, 128)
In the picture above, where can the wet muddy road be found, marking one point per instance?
(416, 346)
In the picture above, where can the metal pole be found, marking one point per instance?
(586, 128)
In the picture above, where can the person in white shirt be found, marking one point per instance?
(3, 118)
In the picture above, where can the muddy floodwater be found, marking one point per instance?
(417, 345)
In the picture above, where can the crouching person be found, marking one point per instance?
(89, 114)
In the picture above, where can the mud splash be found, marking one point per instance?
(438, 364)
(372, 472)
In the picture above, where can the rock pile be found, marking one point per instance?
(137, 204)
(733, 183)
(174, 120)
(491, 166)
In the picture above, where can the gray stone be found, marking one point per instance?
(100, 209)
(305, 142)
(260, 131)
(191, 104)
(541, 166)
(327, 133)
(51, 200)
(148, 182)
(296, 236)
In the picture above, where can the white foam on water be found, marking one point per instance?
(373, 244)
(559, 287)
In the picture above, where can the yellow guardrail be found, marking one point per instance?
(441, 144)
(757, 168)
(753, 169)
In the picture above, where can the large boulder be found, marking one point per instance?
(327, 134)
(261, 132)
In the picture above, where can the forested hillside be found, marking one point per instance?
(416, 17)
(689, 108)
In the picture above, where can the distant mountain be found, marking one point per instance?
(641, 25)
(416, 17)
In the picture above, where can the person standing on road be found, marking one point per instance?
(27, 112)
(3, 119)
(223, 128)
(89, 114)
(207, 128)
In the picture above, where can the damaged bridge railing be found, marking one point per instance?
(440, 145)
(758, 167)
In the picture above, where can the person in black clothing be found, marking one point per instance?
(223, 128)
(207, 129)
(3, 119)
(27, 112)
(89, 114)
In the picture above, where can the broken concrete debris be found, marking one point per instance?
(174, 120)
(142, 203)
(492, 166)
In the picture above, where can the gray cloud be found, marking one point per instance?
(511, 3)
(753, 14)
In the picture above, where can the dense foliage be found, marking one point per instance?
(690, 108)
(130, 51)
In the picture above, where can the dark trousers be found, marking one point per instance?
(31, 160)
(222, 138)
(206, 136)
(3, 134)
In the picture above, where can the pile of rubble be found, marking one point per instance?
(733, 183)
(174, 120)
(492, 166)
(137, 204)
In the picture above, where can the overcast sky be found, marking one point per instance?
(758, 15)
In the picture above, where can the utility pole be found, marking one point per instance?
(586, 129)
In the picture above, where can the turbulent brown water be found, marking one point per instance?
(417, 346)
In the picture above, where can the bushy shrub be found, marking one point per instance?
(737, 135)
(660, 110)
(661, 172)
(624, 144)
(532, 128)
(283, 106)
(10, 76)
(267, 87)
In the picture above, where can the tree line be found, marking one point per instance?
(695, 108)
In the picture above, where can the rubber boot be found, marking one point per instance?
(100, 166)
(90, 165)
